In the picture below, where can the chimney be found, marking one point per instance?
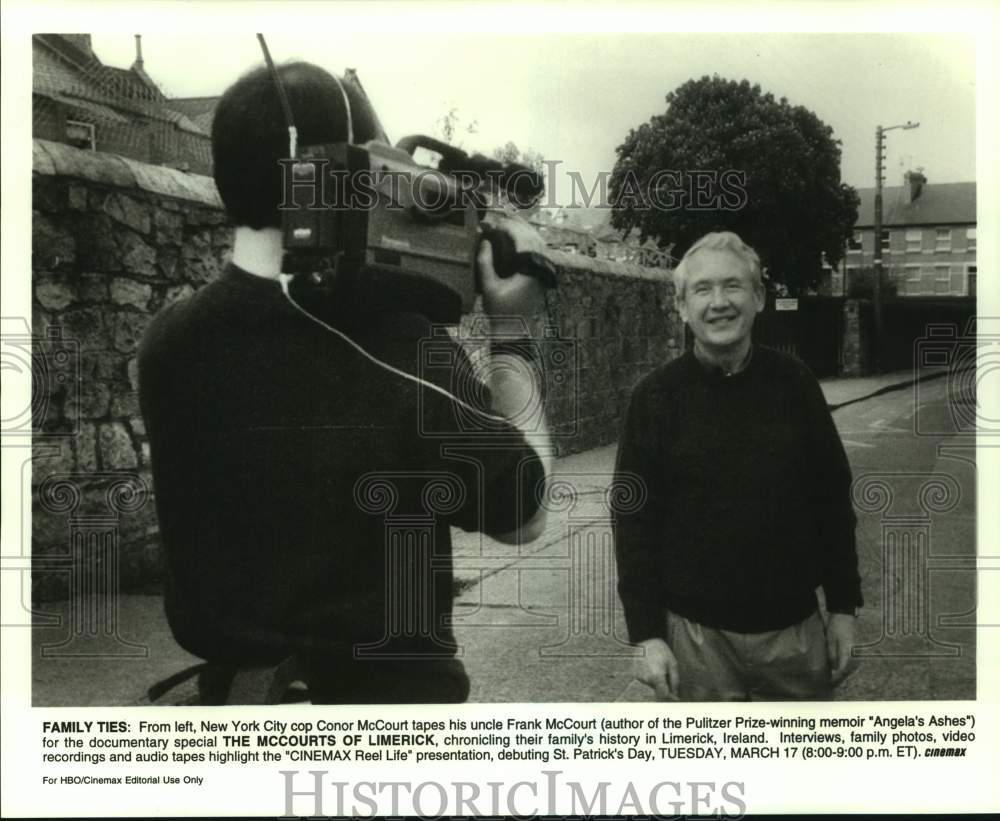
(915, 182)
(138, 52)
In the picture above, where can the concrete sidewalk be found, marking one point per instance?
(506, 601)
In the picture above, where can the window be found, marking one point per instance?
(914, 238)
(81, 135)
(854, 243)
(942, 279)
(912, 273)
(885, 240)
(942, 239)
(970, 239)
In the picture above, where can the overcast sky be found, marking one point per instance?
(573, 97)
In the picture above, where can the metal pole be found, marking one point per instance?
(877, 254)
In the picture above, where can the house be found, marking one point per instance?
(928, 238)
(78, 100)
(588, 231)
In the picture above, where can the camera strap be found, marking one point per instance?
(285, 281)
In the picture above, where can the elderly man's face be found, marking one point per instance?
(720, 300)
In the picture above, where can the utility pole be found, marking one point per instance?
(877, 251)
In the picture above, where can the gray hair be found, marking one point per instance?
(719, 241)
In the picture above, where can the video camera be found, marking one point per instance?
(374, 221)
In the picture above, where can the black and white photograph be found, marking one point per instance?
(543, 364)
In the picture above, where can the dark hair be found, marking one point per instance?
(249, 134)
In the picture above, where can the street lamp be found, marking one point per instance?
(877, 256)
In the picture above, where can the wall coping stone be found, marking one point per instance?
(57, 159)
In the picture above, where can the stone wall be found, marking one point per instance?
(114, 240)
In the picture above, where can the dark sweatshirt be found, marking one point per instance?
(749, 499)
(288, 470)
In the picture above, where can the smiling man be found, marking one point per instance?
(748, 509)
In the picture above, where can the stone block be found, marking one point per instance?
(138, 257)
(76, 197)
(117, 450)
(125, 405)
(206, 216)
(128, 211)
(200, 264)
(129, 292)
(53, 246)
(50, 456)
(127, 328)
(98, 245)
(93, 402)
(86, 326)
(86, 447)
(89, 165)
(54, 294)
(177, 292)
(48, 194)
(41, 162)
(102, 365)
(92, 288)
(169, 227)
(133, 373)
(168, 263)
(41, 321)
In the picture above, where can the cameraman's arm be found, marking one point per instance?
(515, 306)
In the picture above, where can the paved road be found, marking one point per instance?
(546, 625)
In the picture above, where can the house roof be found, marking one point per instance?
(200, 110)
(938, 204)
(66, 74)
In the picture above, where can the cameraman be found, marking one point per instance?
(273, 440)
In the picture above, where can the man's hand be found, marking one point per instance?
(515, 304)
(658, 669)
(840, 638)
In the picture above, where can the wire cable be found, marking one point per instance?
(285, 280)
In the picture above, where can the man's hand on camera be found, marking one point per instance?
(516, 304)
(657, 668)
(516, 308)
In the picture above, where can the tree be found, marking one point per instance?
(510, 153)
(450, 125)
(725, 156)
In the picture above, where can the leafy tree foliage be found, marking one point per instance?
(510, 153)
(726, 156)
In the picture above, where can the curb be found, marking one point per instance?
(890, 388)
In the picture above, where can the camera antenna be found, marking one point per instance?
(293, 134)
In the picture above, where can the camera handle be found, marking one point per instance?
(412, 142)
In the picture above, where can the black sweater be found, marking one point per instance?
(749, 503)
(283, 462)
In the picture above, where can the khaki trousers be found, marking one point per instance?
(779, 665)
